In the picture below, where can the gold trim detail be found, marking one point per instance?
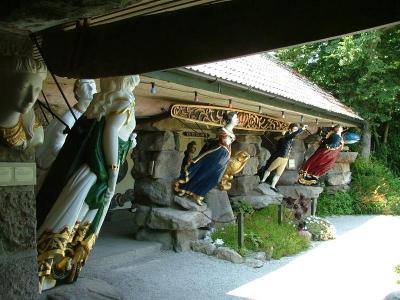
(128, 110)
(235, 165)
(62, 255)
(213, 115)
(14, 136)
(184, 193)
(303, 181)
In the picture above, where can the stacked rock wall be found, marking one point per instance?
(18, 264)
(161, 215)
(247, 179)
(339, 177)
(245, 185)
(176, 221)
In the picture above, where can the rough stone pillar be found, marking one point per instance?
(18, 267)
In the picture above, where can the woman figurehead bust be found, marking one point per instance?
(22, 79)
(231, 119)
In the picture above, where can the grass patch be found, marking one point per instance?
(263, 233)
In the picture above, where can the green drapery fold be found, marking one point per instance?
(97, 163)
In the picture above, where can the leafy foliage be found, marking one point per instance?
(340, 203)
(263, 233)
(254, 239)
(244, 207)
(374, 190)
(362, 71)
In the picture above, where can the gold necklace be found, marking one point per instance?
(14, 136)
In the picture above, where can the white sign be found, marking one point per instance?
(292, 164)
(6, 175)
(14, 173)
(24, 175)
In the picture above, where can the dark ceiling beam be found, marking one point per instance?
(206, 33)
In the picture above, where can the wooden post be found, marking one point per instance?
(314, 206)
(280, 214)
(240, 230)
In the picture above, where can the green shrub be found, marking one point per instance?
(340, 203)
(263, 233)
(243, 206)
(374, 188)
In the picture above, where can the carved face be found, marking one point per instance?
(192, 149)
(235, 120)
(23, 90)
(84, 90)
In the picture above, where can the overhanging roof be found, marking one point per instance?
(264, 73)
(264, 80)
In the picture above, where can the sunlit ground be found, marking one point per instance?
(358, 265)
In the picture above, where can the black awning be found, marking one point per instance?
(206, 33)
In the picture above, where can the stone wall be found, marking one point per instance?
(18, 266)
(339, 177)
(246, 184)
(161, 215)
(175, 221)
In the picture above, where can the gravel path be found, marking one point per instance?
(358, 265)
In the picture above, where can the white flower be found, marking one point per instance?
(218, 242)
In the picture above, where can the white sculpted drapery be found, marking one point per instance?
(70, 228)
(54, 135)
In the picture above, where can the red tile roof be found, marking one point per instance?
(267, 74)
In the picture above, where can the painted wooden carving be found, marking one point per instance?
(235, 165)
(82, 181)
(213, 116)
(205, 171)
(21, 79)
(54, 136)
(279, 159)
(323, 159)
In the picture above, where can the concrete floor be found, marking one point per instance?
(359, 264)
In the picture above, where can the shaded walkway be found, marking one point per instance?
(359, 264)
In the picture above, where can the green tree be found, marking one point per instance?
(363, 72)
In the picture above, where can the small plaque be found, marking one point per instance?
(6, 175)
(292, 164)
(25, 175)
(196, 134)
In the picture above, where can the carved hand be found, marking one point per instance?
(112, 182)
(133, 139)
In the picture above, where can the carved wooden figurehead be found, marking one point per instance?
(21, 79)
